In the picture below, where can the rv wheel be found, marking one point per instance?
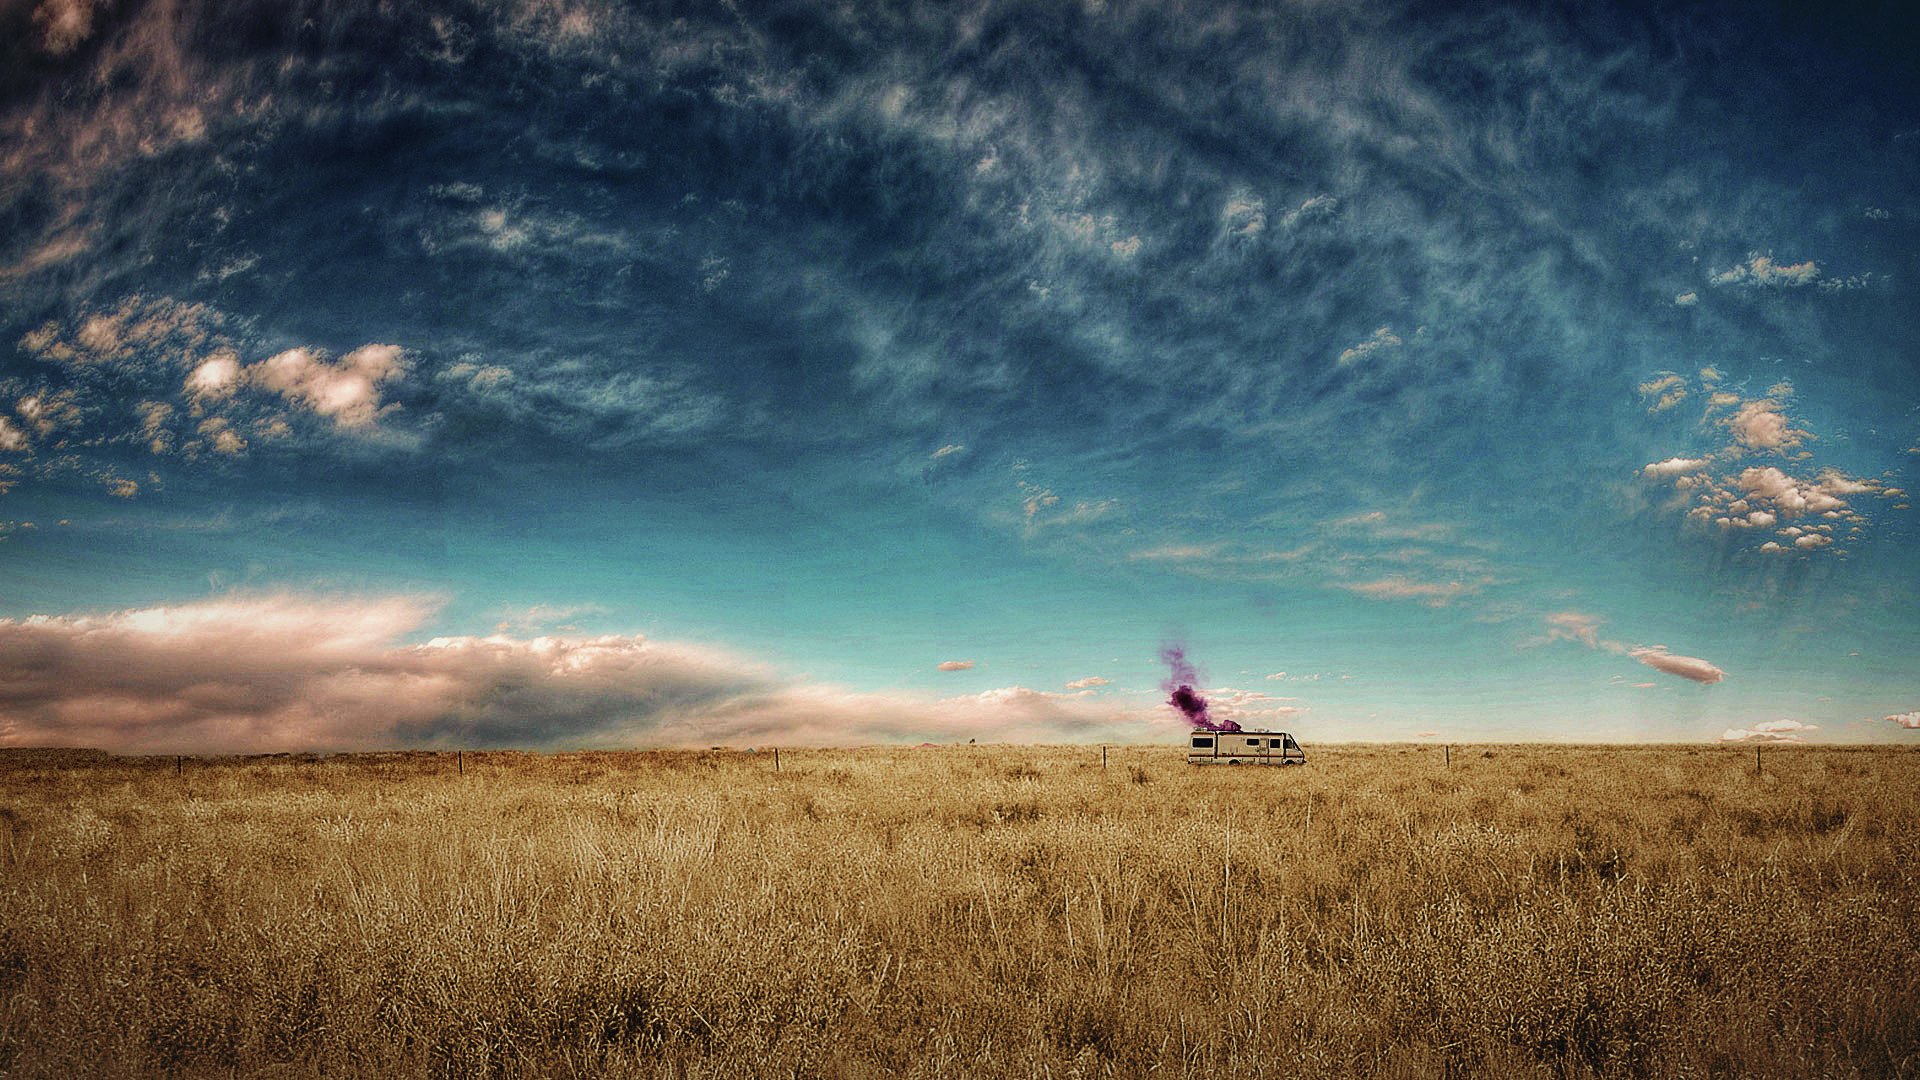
(1233, 761)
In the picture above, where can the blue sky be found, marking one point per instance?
(563, 373)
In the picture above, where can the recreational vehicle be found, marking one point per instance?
(1243, 748)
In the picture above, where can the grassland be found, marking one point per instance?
(964, 911)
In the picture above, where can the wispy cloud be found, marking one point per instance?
(1382, 339)
(1585, 629)
(1664, 392)
(1770, 731)
(1430, 593)
(955, 665)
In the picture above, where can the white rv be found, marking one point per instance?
(1243, 748)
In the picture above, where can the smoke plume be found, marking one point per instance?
(1180, 692)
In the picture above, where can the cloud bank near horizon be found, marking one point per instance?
(284, 672)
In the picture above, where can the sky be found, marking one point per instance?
(568, 373)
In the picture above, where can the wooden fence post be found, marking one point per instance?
(1103, 757)
(460, 761)
(776, 759)
(1448, 751)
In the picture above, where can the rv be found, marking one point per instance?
(1243, 748)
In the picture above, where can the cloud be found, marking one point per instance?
(1770, 731)
(1761, 497)
(948, 450)
(1686, 299)
(1909, 720)
(346, 391)
(1674, 466)
(215, 377)
(1687, 667)
(1762, 425)
(1573, 626)
(1317, 208)
(11, 437)
(1088, 683)
(64, 24)
(1382, 338)
(1792, 497)
(1250, 707)
(539, 616)
(255, 673)
(1585, 629)
(1762, 270)
(1430, 593)
(1666, 391)
(174, 369)
(955, 665)
(1244, 217)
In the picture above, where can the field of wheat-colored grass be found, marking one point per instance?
(964, 911)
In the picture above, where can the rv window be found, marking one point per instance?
(1253, 742)
(1274, 743)
(1203, 742)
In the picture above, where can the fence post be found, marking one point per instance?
(776, 759)
(460, 761)
(1756, 760)
(1448, 751)
(1103, 757)
(179, 765)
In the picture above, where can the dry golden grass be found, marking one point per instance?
(964, 912)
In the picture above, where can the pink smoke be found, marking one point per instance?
(1180, 692)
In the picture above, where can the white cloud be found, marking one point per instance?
(11, 437)
(1770, 731)
(1761, 270)
(1686, 299)
(1761, 425)
(1786, 495)
(215, 377)
(1382, 338)
(948, 451)
(955, 665)
(1674, 466)
(1687, 667)
(346, 391)
(291, 672)
(1909, 720)
(1088, 683)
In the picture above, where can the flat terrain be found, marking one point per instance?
(964, 911)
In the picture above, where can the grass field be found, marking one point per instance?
(964, 911)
